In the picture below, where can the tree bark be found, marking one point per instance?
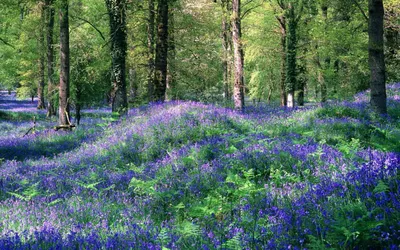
(40, 89)
(116, 11)
(51, 111)
(227, 47)
(171, 57)
(63, 116)
(150, 51)
(376, 56)
(133, 85)
(161, 62)
(238, 89)
(302, 81)
(324, 88)
(282, 22)
(291, 63)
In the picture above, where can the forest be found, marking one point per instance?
(199, 124)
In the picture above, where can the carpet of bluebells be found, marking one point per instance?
(188, 175)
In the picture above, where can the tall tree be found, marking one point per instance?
(291, 60)
(226, 47)
(40, 89)
(161, 61)
(51, 111)
(63, 116)
(282, 26)
(376, 56)
(150, 50)
(170, 85)
(116, 11)
(326, 61)
(238, 89)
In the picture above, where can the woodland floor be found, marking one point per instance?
(188, 175)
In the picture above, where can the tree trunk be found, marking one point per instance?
(161, 61)
(40, 89)
(302, 81)
(51, 111)
(150, 51)
(321, 77)
(238, 88)
(116, 11)
(171, 58)
(226, 46)
(282, 22)
(63, 116)
(78, 104)
(133, 86)
(291, 73)
(376, 56)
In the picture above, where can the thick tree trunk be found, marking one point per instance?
(376, 56)
(161, 61)
(63, 116)
(238, 88)
(227, 47)
(51, 89)
(116, 11)
(40, 89)
(150, 51)
(291, 73)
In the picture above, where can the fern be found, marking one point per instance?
(381, 187)
(188, 229)
(233, 243)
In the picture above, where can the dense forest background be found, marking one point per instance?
(318, 49)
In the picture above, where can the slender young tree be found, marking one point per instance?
(40, 89)
(116, 11)
(227, 47)
(51, 89)
(171, 56)
(63, 116)
(326, 61)
(150, 51)
(238, 89)
(161, 61)
(376, 56)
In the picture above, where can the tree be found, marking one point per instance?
(238, 89)
(171, 67)
(63, 116)
(376, 56)
(40, 88)
(116, 11)
(226, 47)
(281, 18)
(150, 50)
(51, 111)
(161, 61)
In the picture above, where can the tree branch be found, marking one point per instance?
(362, 11)
(7, 43)
(248, 11)
(91, 24)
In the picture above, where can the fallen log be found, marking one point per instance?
(68, 126)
